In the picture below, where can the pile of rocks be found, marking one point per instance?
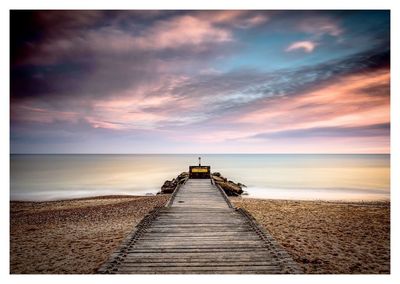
(170, 185)
(231, 188)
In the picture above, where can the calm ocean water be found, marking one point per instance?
(280, 176)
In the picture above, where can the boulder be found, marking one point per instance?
(170, 185)
(218, 179)
(231, 188)
(182, 177)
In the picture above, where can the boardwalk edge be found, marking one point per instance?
(288, 265)
(111, 264)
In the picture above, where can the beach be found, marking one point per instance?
(328, 237)
(77, 236)
(72, 236)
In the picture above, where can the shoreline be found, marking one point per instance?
(110, 196)
(78, 235)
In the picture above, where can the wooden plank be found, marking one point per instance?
(204, 255)
(193, 250)
(188, 229)
(199, 232)
(196, 264)
(203, 245)
(218, 238)
(203, 269)
(194, 258)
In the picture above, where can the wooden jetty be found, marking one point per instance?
(199, 232)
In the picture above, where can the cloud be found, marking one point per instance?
(252, 21)
(168, 101)
(319, 25)
(342, 102)
(175, 33)
(373, 130)
(181, 31)
(306, 46)
(54, 21)
(243, 19)
(29, 113)
(168, 73)
(70, 35)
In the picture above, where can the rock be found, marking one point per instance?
(231, 188)
(183, 175)
(170, 185)
(218, 179)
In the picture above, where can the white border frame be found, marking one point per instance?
(208, 4)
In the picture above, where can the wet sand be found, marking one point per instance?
(77, 236)
(328, 237)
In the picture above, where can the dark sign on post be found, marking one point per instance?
(199, 171)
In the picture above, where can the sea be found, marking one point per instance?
(330, 177)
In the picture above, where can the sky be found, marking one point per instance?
(200, 81)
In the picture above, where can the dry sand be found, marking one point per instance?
(328, 237)
(77, 236)
(74, 236)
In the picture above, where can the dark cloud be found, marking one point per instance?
(29, 27)
(59, 55)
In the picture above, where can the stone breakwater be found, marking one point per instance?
(231, 188)
(170, 185)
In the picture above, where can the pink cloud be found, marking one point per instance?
(341, 103)
(146, 107)
(226, 16)
(306, 46)
(31, 113)
(254, 21)
(319, 26)
(182, 30)
(195, 30)
(344, 103)
(238, 18)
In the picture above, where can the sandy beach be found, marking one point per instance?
(77, 236)
(73, 236)
(328, 237)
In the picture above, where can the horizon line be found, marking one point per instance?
(283, 153)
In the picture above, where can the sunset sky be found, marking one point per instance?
(200, 82)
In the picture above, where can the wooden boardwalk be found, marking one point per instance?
(198, 232)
